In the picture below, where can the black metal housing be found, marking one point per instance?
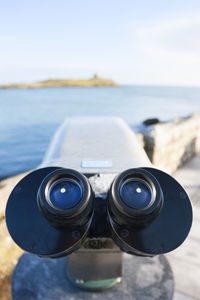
(158, 229)
(39, 228)
(32, 222)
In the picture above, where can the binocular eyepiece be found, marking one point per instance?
(65, 198)
(52, 210)
(135, 197)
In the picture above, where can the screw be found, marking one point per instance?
(76, 234)
(124, 233)
(18, 189)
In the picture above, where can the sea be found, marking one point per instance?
(30, 117)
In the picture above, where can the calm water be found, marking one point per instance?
(29, 118)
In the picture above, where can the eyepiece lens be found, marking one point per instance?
(136, 193)
(65, 194)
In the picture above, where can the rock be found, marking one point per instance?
(144, 278)
(140, 138)
(150, 122)
(171, 144)
(9, 254)
(9, 251)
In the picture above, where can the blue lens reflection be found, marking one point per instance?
(136, 193)
(65, 194)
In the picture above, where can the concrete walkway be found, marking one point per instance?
(185, 261)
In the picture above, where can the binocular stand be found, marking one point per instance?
(98, 270)
(143, 279)
(95, 198)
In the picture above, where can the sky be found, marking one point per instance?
(150, 42)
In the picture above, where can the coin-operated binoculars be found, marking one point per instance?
(96, 196)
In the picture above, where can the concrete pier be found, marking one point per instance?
(185, 261)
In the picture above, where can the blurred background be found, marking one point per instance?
(150, 49)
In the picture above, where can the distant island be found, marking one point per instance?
(92, 82)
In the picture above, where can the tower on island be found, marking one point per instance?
(96, 76)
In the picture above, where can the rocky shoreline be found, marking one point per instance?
(170, 144)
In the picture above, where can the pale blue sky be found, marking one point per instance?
(133, 42)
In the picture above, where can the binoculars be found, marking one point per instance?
(52, 211)
(97, 209)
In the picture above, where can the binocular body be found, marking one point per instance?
(95, 196)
